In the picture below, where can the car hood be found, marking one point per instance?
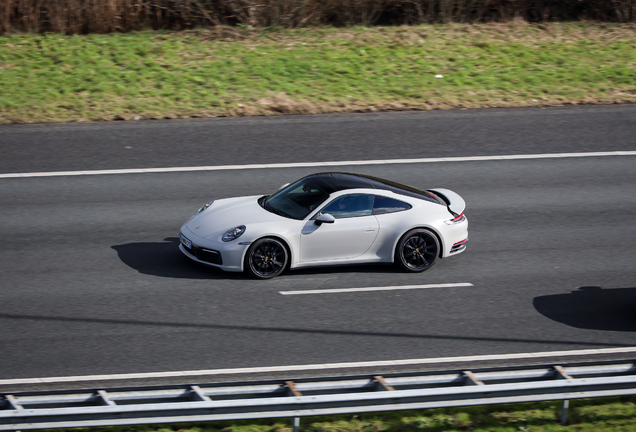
(225, 214)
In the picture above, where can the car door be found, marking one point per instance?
(350, 235)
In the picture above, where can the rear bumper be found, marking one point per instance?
(458, 247)
(455, 238)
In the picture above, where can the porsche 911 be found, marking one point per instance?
(328, 219)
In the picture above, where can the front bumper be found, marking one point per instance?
(226, 256)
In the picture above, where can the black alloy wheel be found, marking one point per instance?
(266, 258)
(417, 250)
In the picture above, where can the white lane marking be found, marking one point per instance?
(386, 288)
(311, 367)
(317, 164)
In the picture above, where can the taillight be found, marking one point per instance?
(456, 219)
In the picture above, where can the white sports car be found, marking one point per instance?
(328, 219)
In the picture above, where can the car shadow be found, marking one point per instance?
(164, 259)
(592, 308)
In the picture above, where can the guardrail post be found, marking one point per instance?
(562, 374)
(291, 386)
(564, 412)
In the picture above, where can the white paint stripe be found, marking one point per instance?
(317, 164)
(386, 288)
(311, 367)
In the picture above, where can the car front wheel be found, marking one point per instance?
(417, 250)
(266, 258)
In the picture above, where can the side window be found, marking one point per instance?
(388, 205)
(350, 206)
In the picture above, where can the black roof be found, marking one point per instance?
(332, 182)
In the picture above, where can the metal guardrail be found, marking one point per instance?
(311, 397)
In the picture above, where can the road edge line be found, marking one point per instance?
(325, 366)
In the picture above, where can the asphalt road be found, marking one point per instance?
(92, 282)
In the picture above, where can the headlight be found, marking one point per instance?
(234, 233)
(205, 206)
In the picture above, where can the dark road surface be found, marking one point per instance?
(92, 282)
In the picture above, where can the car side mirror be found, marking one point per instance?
(325, 218)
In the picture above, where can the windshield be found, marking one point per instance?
(297, 200)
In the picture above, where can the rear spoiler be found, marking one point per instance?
(454, 202)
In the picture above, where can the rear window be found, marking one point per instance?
(383, 205)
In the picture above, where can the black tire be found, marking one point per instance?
(266, 258)
(417, 250)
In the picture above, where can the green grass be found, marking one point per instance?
(243, 71)
(602, 415)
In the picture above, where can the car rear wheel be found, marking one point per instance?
(417, 250)
(266, 258)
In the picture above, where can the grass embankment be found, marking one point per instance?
(243, 71)
(599, 415)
